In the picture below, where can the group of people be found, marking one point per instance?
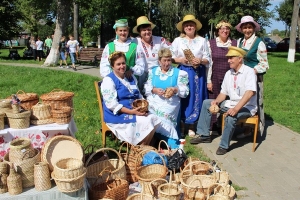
(221, 71)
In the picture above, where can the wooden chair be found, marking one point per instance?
(251, 120)
(104, 127)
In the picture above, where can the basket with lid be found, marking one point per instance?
(58, 98)
(27, 99)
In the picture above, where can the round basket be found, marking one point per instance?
(27, 99)
(146, 174)
(169, 191)
(202, 168)
(41, 176)
(5, 103)
(55, 150)
(20, 149)
(142, 104)
(69, 185)
(140, 196)
(19, 120)
(2, 115)
(68, 168)
(41, 111)
(58, 99)
(115, 165)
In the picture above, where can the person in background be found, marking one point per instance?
(80, 41)
(196, 69)
(33, 47)
(239, 85)
(148, 47)
(72, 44)
(166, 106)
(62, 52)
(257, 59)
(218, 48)
(127, 123)
(39, 49)
(48, 44)
(135, 63)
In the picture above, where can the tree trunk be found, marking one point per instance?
(75, 23)
(63, 11)
(291, 54)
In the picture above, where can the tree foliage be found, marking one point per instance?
(285, 12)
(9, 15)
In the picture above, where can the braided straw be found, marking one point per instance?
(42, 176)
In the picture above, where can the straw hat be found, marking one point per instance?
(247, 19)
(189, 18)
(140, 21)
(235, 51)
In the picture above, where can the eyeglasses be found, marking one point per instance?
(225, 29)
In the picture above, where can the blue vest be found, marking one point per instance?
(171, 81)
(125, 98)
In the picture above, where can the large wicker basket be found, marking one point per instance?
(27, 99)
(19, 120)
(58, 99)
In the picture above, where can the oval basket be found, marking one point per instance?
(68, 168)
(19, 120)
(41, 111)
(58, 98)
(142, 104)
(55, 150)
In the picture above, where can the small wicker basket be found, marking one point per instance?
(27, 99)
(68, 168)
(41, 111)
(19, 120)
(58, 99)
(142, 104)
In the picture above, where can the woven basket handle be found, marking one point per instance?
(166, 144)
(189, 185)
(20, 91)
(27, 152)
(56, 90)
(147, 150)
(127, 147)
(214, 187)
(102, 150)
(189, 168)
(152, 182)
(100, 176)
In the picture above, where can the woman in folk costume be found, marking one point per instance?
(118, 91)
(165, 87)
(134, 63)
(148, 46)
(255, 58)
(195, 67)
(219, 65)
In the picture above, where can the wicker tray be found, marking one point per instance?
(58, 99)
(60, 147)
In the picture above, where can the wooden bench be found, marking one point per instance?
(90, 55)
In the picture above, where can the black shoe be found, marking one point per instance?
(221, 151)
(200, 139)
(74, 68)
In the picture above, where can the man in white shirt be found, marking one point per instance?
(240, 85)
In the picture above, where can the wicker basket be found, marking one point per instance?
(27, 99)
(3, 168)
(2, 115)
(5, 104)
(225, 190)
(41, 121)
(142, 104)
(41, 176)
(153, 187)
(41, 111)
(169, 191)
(3, 183)
(20, 149)
(112, 188)
(222, 177)
(19, 120)
(115, 165)
(25, 167)
(69, 185)
(63, 115)
(202, 168)
(68, 168)
(14, 182)
(146, 174)
(16, 108)
(58, 99)
(140, 196)
(217, 192)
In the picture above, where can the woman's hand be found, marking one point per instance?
(210, 86)
(196, 61)
(183, 60)
(136, 111)
(158, 91)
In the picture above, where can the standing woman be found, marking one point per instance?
(134, 63)
(255, 58)
(189, 39)
(148, 46)
(219, 65)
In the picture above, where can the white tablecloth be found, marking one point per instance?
(37, 134)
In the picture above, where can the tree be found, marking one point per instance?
(63, 14)
(291, 54)
(9, 15)
(285, 10)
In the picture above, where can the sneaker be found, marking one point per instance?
(200, 139)
(68, 67)
(221, 151)
(61, 66)
(244, 135)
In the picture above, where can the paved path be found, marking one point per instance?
(272, 172)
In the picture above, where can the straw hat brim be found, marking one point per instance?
(197, 22)
(239, 29)
(134, 30)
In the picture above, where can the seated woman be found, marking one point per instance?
(118, 93)
(166, 106)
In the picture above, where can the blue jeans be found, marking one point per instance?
(203, 125)
(73, 57)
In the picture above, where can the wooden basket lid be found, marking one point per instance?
(60, 147)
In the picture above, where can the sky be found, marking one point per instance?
(275, 24)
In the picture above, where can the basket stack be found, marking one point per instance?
(19, 120)
(69, 174)
(61, 103)
(41, 114)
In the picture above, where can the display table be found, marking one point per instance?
(38, 134)
(51, 194)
